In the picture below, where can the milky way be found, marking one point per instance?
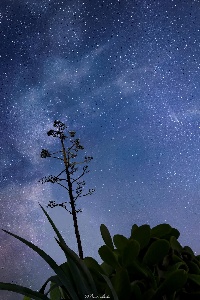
(125, 76)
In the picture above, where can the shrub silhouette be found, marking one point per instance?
(149, 265)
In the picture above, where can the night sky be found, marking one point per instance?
(125, 76)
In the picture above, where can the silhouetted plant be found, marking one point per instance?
(149, 265)
(72, 279)
(73, 185)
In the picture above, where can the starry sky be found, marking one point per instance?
(124, 74)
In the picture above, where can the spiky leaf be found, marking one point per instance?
(80, 265)
(22, 290)
(55, 279)
(62, 276)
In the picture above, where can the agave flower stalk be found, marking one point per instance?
(73, 185)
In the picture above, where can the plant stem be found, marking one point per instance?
(72, 201)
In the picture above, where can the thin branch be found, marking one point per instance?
(63, 186)
(57, 158)
(61, 173)
(91, 191)
(56, 152)
(74, 180)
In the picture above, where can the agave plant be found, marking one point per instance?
(72, 279)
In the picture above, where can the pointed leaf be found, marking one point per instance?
(80, 281)
(106, 236)
(57, 283)
(22, 290)
(52, 278)
(53, 226)
(80, 264)
(62, 276)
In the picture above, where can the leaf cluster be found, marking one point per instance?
(151, 264)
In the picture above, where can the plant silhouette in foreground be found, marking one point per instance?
(72, 279)
(149, 265)
(73, 185)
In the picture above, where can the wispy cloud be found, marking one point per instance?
(22, 203)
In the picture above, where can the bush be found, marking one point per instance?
(149, 265)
